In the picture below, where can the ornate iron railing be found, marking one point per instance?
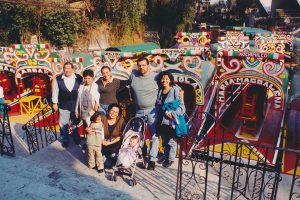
(218, 168)
(6, 140)
(41, 130)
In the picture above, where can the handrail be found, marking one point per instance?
(41, 129)
(6, 140)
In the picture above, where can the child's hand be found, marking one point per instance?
(91, 112)
(90, 130)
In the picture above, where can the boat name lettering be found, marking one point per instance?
(7, 68)
(238, 80)
(33, 70)
(173, 51)
(250, 54)
(112, 53)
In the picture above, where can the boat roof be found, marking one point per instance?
(248, 30)
(135, 48)
(207, 73)
(88, 59)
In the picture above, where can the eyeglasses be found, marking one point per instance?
(113, 111)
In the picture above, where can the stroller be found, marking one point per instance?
(130, 154)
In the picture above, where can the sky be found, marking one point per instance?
(265, 3)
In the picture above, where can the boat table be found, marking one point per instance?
(31, 104)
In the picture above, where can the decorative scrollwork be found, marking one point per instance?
(57, 68)
(6, 140)
(234, 40)
(156, 62)
(192, 64)
(295, 195)
(239, 167)
(41, 130)
(234, 66)
(273, 69)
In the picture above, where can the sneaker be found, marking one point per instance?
(65, 144)
(151, 165)
(168, 163)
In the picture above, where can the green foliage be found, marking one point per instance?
(15, 21)
(125, 15)
(60, 26)
(56, 25)
(242, 6)
(169, 17)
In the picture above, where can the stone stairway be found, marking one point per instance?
(55, 173)
(58, 173)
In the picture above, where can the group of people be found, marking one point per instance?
(156, 97)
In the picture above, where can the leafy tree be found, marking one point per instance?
(168, 17)
(61, 26)
(242, 6)
(125, 15)
(16, 21)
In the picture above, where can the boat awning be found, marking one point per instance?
(136, 48)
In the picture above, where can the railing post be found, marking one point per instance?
(179, 172)
(6, 141)
(294, 176)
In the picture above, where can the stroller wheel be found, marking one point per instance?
(132, 182)
(114, 178)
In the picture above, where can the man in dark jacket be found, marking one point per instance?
(64, 97)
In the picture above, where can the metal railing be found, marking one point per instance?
(41, 130)
(6, 140)
(213, 167)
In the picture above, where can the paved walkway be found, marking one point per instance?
(58, 173)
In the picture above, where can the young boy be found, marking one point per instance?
(94, 139)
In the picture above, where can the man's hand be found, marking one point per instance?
(105, 143)
(55, 107)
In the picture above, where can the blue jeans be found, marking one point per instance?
(65, 116)
(103, 109)
(169, 142)
(151, 115)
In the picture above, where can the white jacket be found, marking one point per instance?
(94, 97)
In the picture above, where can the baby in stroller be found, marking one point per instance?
(127, 154)
(130, 152)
